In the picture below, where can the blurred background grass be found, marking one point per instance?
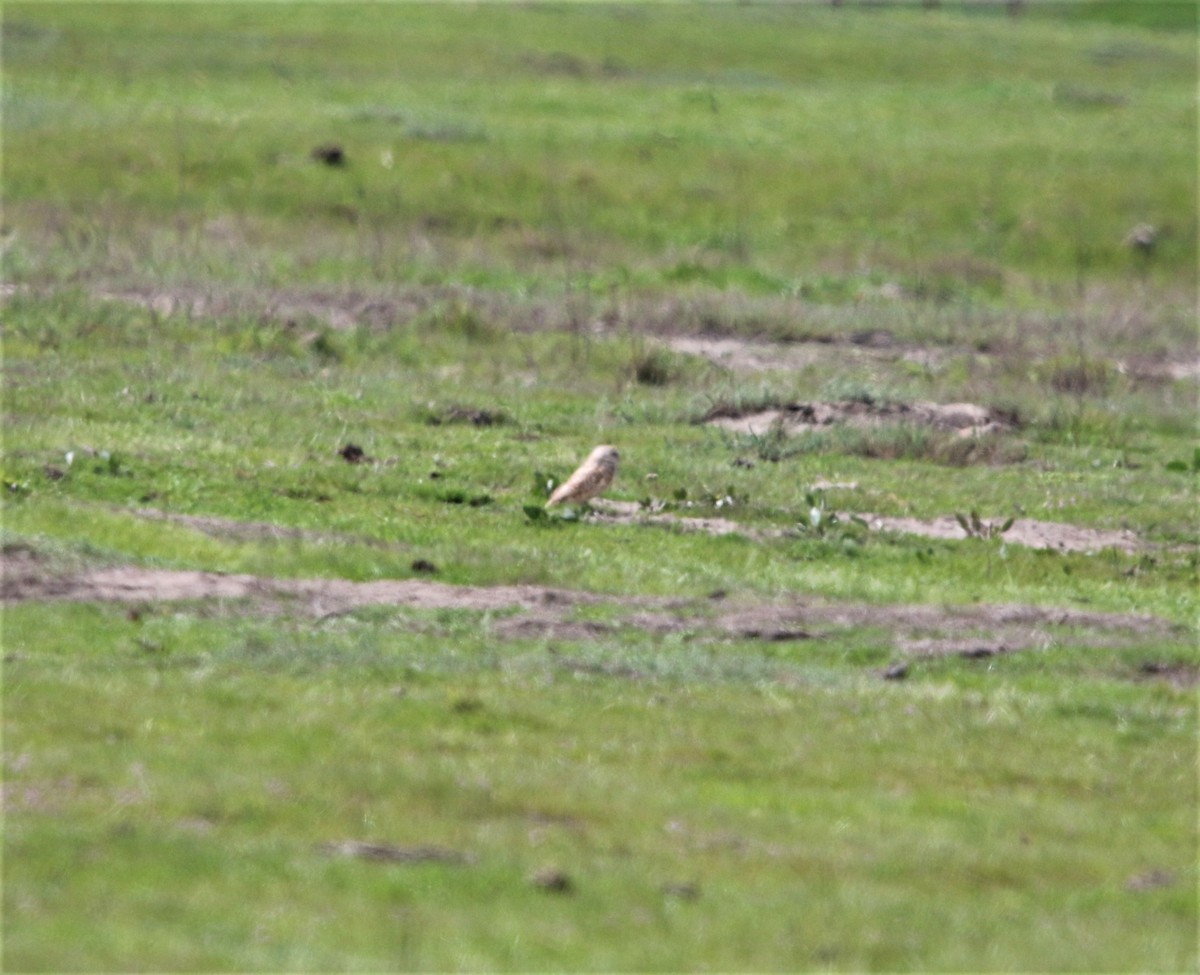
(751, 146)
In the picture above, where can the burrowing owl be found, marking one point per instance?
(593, 476)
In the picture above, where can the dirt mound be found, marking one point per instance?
(965, 419)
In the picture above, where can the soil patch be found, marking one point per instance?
(1025, 531)
(698, 320)
(538, 612)
(878, 345)
(1178, 674)
(389, 853)
(1029, 532)
(750, 356)
(319, 597)
(965, 419)
(257, 531)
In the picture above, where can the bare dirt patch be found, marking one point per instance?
(1029, 532)
(389, 853)
(712, 328)
(965, 419)
(748, 356)
(1025, 531)
(545, 613)
(741, 355)
(1177, 674)
(319, 597)
(255, 531)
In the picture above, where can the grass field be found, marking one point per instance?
(297, 674)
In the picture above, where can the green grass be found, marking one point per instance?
(202, 317)
(631, 143)
(419, 731)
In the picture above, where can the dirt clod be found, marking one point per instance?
(1180, 674)
(683, 891)
(329, 153)
(387, 853)
(552, 880)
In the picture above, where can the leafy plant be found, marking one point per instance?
(1183, 467)
(822, 521)
(976, 527)
(544, 484)
(17, 487)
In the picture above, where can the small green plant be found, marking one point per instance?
(1181, 466)
(544, 485)
(536, 512)
(458, 318)
(976, 527)
(109, 464)
(986, 531)
(681, 499)
(776, 444)
(17, 487)
(653, 368)
(822, 521)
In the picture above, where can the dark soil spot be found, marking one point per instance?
(540, 613)
(467, 414)
(772, 635)
(577, 666)
(386, 853)
(329, 153)
(552, 880)
(1179, 674)
(874, 338)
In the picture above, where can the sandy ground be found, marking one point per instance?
(1024, 531)
(548, 613)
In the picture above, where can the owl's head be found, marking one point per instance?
(606, 455)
